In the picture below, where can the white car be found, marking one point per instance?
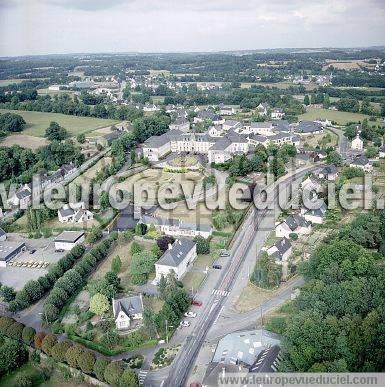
(190, 314)
(184, 323)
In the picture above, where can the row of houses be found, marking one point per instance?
(23, 196)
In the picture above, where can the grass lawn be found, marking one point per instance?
(328, 138)
(342, 118)
(252, 297)
(38, 122)
(7, 82)
(192, 279)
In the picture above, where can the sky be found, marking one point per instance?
(29, 27)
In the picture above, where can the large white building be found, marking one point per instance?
(177, 259)
(68, 240)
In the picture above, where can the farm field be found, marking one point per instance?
(7, 82)
(342, 118)
(38, 122)
(278, 85)
(24, 140)
(346, 64)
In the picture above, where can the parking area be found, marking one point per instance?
(31, 263)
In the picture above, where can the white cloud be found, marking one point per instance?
(48, 26)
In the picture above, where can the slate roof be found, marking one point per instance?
(282, 245)
(360, 160)
(294, 221)
(258, 138)
(69, 236)
(329, 170)
(308, 127)
(23, 193)
(318, 212)
(174, 256)
(157, 141)
(222, 144)
(267, 360)
(282, 126)
(64, 212)
(130, 306)
(257, 125)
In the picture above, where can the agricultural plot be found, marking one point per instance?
(24, 140)
(38, 122)
(341, 118)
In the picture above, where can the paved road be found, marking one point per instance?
(185, 359)
(343, 142)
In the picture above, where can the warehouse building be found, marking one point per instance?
(69, 239)
(9, 250)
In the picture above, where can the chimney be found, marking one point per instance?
(170, 246)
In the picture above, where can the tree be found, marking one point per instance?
(12, 355)
(334, 158)
(14, 331)
(38, 339)
(72, 355)
(50, 312)
(81, 138)
(100, 367)
(113, 372)
(136, 248)
(86, 361)
(104, 200)
(306, 100)
(129, 378)
(10, 122)
(28, 335)
(140, 229)
(47, 343)
(8, 293)
(94, 235)
(267, 274)
(142, 264)
(59, 350)
(55, 132)
(164, 242)
(116, 264)
(99, 304)
(202, 245)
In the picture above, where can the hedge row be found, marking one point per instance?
(73, 279)
(73, 354)
(35, 289)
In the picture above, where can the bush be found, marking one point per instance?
(38, 339)
(293, 236)
(73, 354)
(8, 293)
(23, 380)
(50, 312)
(99, 304)
(15, 330)
(59, 350)
(5, 323)
(99, 367)
(12, 355)
(86, 361)
(129, 378)
(276, 324)
(47, 343)
(28, 334)
(202, 245)
(113, 372)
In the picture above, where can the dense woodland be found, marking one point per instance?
(338, 321)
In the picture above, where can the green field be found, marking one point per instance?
(38, 122)
(7, 82)
(340, 117)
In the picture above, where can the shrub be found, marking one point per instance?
(28, 334)
(50, 312)
(12, 355)
(23, 380)
(116, 264)
(73, 354)
(47, 343)
(113, 372)
(202, 245)
(99, 367)
(15, 330)
(86, 361)
(8, 293)
(293, 236)
(5, 323)
(99, 304)
(59, 350)
(129, 378)
(38, 339)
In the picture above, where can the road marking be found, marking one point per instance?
(142, 376)
(218, 315)
(218, 292)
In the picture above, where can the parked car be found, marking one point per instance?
(196, 303)
(32, 251)
(190, 314)
(59, 251)
(184, 323)
(224, 253)
(217, 266)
